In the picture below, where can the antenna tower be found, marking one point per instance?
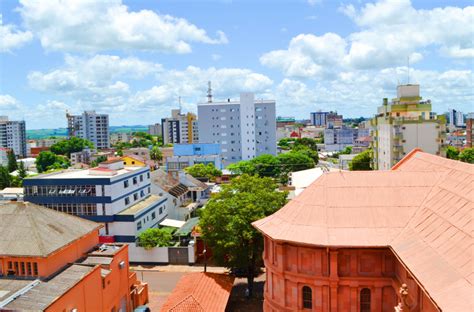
(209, 92)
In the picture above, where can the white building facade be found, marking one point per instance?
(13, 136)
(244, 129)
(90, 126)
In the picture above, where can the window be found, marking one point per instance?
(135, 180)
(139, 225)
(135, 196)
(125, 183)
(307, 297)
(35, 268)
(28, 266)
(141, 177)
(142, 193)
(161, 210)
(149, 190)
(127, 200)
(365, 300)
(153, 215)
(147, 175)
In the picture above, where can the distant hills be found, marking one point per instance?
(62, 132)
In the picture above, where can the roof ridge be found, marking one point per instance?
(407, 157)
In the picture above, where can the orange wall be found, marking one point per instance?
(336, 277)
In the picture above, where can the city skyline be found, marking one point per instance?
(315, 54)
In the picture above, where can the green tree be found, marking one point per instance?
(346, 151)
(308, 152)
(48, 160)
(156, 154)
(362, 161)
(308, 142)
(5, 178)
(452, 152)
(293, 161)
(266, 165)
(12, 165)
(242, 167)
(226, 222)
(467, 155)
(154, 237)
(73, 144)
(208, 171)
(22, 170)
(98, 160)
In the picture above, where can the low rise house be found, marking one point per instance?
(186, 155)
(54, 262)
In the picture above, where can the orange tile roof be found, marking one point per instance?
(422, 210)
(206, 292)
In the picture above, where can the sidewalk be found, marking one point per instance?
(177, 268)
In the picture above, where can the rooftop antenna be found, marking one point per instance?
(209, 92)
(179, 102)
(408, 69)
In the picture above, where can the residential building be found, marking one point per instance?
(333, 120)
(319, 118)
(177, 194)
(142, 152)
(117, 196)
(336, 139)
(186, 155)
(456, 119)
(155, 129)
(387, 241)
(180, 128)
(90, 126)
(4, 156)
(13, 136)
(120, 137)
(404, 124)
(285, 121)
(51, 261)
(469, 129)
(82, 157)
(133, 160)
(244, 129)
(311, 132)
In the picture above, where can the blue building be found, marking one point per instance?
(118, 196)
(186, 155)
(319, 119)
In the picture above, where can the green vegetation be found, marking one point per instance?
(154, 237)
(72, 145)
(467, 155)
(12, 165)
(5, 178)
(208, 171)
(48, 161)
(156, 154)
(226, 222)
(98, 160)
(362, 161)
(452, 152)
(62, 132)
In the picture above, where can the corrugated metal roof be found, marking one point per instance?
(422, 210)
(31, 230)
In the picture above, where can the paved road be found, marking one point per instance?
(160, 285)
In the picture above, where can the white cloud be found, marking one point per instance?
(307, 55)
(8, 103)
(11, 38)
(107, 25)
(314, 2)
(216, 57)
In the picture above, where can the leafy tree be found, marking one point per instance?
(242, 167)
(293, 161)
(12, 165)
(346, 151)
(144, 135)
(467, 155)
(22, 170)
(266, 165)
(452, 152)
(48, 160)
(308, 152)
(5, 178)
(226, 222)
(362, 161)
(208, 171)
(286, 143)
(73, 144)
(311, 143)
(98, 160)
(156, 154)
(154, 237)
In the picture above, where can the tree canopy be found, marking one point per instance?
(48, 160)
(226, 222)
(71, 145)
(12, 164)
(5, 178)
(467, 155)
(154, 237)
(208, 171)
(452, 152)
(156, 154)
(362, 161)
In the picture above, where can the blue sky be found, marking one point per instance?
(133, 59)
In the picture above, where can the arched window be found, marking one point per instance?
(307, 297)
(365, 300)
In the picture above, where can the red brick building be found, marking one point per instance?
(351, 240)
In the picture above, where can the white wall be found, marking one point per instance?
(247, 125)
(140, 254)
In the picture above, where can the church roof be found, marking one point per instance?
(422, 210)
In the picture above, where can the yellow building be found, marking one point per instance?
(133, 160)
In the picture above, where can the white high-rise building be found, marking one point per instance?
(90, 126)
(13, 136)
(456, 118)
(244, 129)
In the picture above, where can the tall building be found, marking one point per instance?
(456, 118)
(398, 240)
(336, 139)
(154, 129)
(117, 196)
(90, 126)
(319, 118)
(404, 124)
(13, 136)
(244, 129)
(50, 261)
(469, 129)
(180, 128)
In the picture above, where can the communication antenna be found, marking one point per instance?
(408, 69)
(209, 92)
(179, 102)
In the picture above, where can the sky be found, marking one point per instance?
(135, 59)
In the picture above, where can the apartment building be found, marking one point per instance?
(186, 155)
(404, 124)
(469, 129)
(91, 126)
(154, 129)
(51, 261)
(319, 118)
(180, 128)
(117, 196)
(13, 136)
(455, 119)
(244, 129)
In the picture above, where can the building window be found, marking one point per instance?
(161, 210)
(307, 297)
(135, 196)
(139, 225)
(125, 183)
(35, 268)
(127, 200)
(141, 177)
(135, 181)
(147, 175)
(365, 300)
(153, 215)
